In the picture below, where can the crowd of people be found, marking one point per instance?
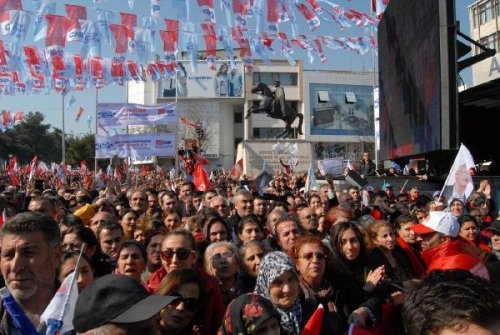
(163, 258)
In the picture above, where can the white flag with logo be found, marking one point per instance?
(458, 184)
(65, 298)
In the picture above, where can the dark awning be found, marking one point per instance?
(486, 95)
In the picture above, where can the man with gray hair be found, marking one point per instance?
(219, 204)
(30, 256)
(243, 204)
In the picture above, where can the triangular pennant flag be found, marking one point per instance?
(313, 325)
(311, 183)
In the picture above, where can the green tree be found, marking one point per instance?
(81, 148)
(31, 137)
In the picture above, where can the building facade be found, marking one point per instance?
(484, 18)
(337, 107)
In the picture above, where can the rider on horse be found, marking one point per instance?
(279, 103)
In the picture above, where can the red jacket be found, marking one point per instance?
(214, 304)
(454, 254)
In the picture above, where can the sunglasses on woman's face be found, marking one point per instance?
(190, 304)
(181, 253)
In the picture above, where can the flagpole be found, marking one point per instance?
(95, 138)
(176, 157)
(374, 86)
(54, 326)
(63, 141)
(75, 277)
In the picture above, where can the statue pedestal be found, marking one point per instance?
(269, 151)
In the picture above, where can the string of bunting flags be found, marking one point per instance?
(29, 69)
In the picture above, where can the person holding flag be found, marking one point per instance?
(458, 184)
(30, 256)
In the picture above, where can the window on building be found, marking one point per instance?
(323, 96)
(237, 141)
(285, 78)
(485, 12)
(475, 18)
(350, 98)
(238, 117)
(489, 41)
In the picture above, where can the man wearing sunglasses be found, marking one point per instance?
(179, 252)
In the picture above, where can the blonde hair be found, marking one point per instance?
(372, 232)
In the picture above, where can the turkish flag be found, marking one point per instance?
(200, 178)
(313, 325)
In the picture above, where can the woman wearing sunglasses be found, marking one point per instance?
(310, 256)
(184, 315)
(178, 251)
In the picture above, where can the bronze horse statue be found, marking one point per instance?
(271, 105)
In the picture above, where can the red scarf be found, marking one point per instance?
(416, 263)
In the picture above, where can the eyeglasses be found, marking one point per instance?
(219, 256)
(190, 304)
(181, 253)
(308, 256)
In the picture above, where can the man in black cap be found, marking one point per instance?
(118, 305)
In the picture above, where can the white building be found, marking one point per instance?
(484, 18)
(337, 107)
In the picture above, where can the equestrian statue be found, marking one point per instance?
(275, 106)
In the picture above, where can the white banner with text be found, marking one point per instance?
(136, 145)
(119, 114)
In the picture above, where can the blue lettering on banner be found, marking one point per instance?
(76, 34)
(313, 23)
(170, 57)
(241, 20)
(105, 145)
(106, 115)
(163, 111)
(160, 143)
(191, 77)
(208, 12)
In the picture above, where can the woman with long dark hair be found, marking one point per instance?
(73, 239)
(354, 275)
(184, 316)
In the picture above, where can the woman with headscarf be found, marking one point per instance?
(250, 314)
(278, 282)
